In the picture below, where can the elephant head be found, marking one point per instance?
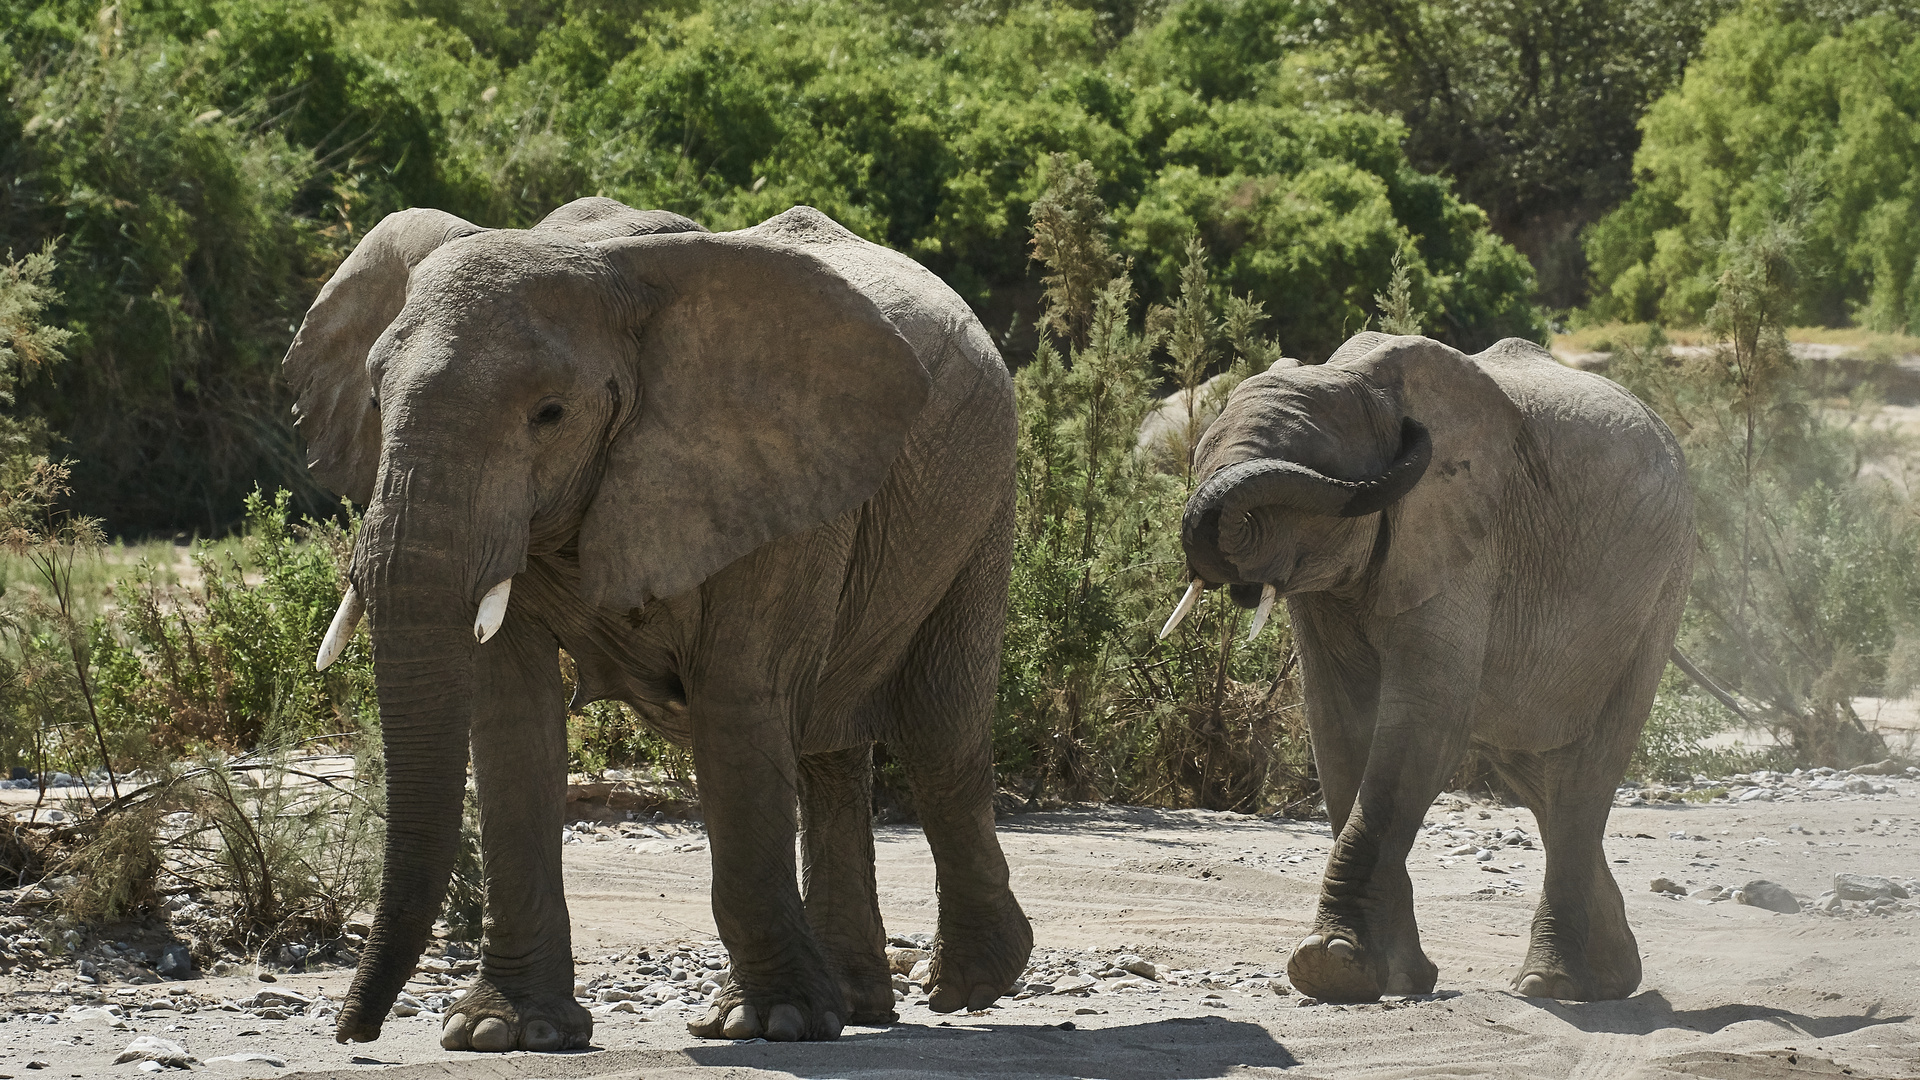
(616, 386)
(1382, 468)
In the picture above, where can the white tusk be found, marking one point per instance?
(340, 631)
(1185, 605)
(493, 610)
(1265, 609)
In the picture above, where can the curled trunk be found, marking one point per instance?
(1215, 527)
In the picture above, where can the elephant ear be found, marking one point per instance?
(327, 363)
(1442, 523)
(773, 396)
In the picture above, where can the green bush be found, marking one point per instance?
(1807, 569)
(1091, 703)
(229, 665)
(1789, 112)
(206, 164)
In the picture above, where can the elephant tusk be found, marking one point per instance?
(1260, 613)
(340, 631)
(1185, 605)
(493, 611)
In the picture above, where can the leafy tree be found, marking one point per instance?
(1530, 106)
(1792, 111)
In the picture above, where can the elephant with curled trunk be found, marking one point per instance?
(1488, 551)
(758, 484)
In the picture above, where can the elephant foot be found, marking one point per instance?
(868, 987)
(1334, 966)
(775, 1015)
(978, 955)
(1602, 964)
(490, 1020)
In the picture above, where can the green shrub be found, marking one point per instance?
(1092, 704)
(1788, 112)
(1807, 569)
(229, 665)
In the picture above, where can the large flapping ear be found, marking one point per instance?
(599, 218)
(1440, 525)
(327, 363)
(773, 396)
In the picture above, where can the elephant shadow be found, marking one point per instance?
(1171, 1049)
(1650, 1011)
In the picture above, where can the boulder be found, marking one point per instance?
(1762, 893)
(1866, 887)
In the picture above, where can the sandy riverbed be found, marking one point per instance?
(1730, 991)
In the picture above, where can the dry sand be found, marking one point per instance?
(1729, 992)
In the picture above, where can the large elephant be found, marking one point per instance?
(1489, 551)
(760, 482)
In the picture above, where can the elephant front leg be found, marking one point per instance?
(1365, 941)
(524, 997)
(781, 987)
(842, 902)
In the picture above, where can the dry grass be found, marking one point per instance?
(1606, 337)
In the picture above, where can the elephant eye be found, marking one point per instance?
(549, 413)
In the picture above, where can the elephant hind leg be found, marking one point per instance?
(842, 903)
(1581, 948)
(941, 729)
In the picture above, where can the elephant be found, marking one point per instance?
(1490, 552)
(758, 484)
(1168, 433)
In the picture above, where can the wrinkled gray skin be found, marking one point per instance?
(1486, 551)
(758, 484)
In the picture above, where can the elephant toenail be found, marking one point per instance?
(540, 1035)
(492, 1035)
(1401, 983)
(1311, 940)
(1534, 986)
(945, 999)
(830, 1025)
(741, 1023)
(785, 1024)
(456, 1033)
(1340, 949)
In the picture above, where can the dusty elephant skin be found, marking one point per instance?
(1489, 551)
(757, 484)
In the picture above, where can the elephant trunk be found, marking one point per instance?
(420, 602)
(1217, 529)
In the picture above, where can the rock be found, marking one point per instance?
(1709, 892)
(175, 962)
(1762, 893)
(903, 961)
(251, 1057)
(1829, 902)
(1889, 767)
(1866, 887)
(153, 1048)
(1666, 885)
(921, 972)
(107, 1016)
(1279, 988)
(1138, 966)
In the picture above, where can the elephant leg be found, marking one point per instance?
(1342, 678)
(781, 988)
(524, 997)
(942, 732)
(1581, 947)
(1365, 941)
(841, 900)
